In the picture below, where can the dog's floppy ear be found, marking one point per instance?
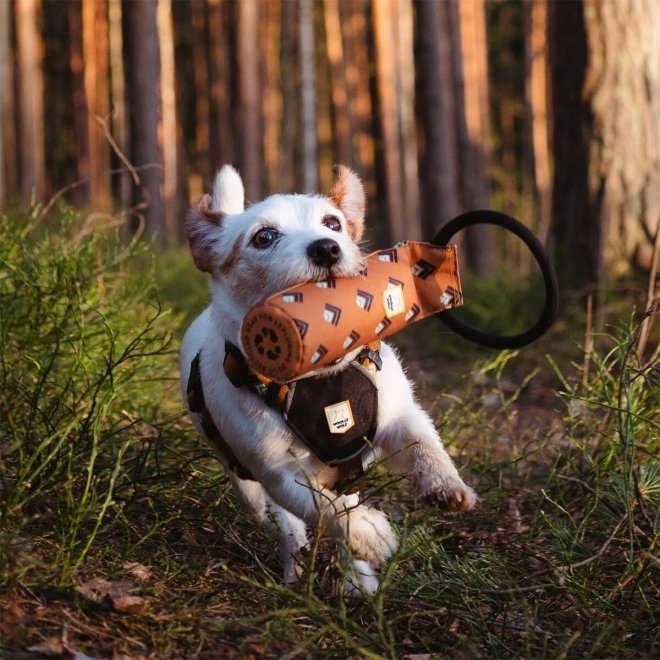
(228, 192)
(347, 194)
(200, 227)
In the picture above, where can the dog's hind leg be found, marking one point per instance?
(292, 530)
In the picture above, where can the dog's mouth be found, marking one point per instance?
(323, 274)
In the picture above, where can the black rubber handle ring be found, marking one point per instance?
(549, 312)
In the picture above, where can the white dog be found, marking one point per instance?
(251, 254)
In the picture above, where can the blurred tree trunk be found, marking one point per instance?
(250, 140)
(271, 27)
(82, 195)
(342, 128)
(30, 102)
(404, 28)
(220, 46)
(8, 163)
(623, 89)
(290, 110)
(471, 82)
(355, 25)
(118, 92)
(97, 94)
(537, 102)
(606, 106)
(200, 35)
(308, 98)
(436, 108)
(387, 81)
(142, 71)
(575, 214)
(175, 203)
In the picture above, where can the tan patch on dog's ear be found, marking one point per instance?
(200, 227)
(347, 194)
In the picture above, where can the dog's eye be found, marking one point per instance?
(331, 222)
(265, 237)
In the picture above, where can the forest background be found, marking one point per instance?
(549, 111)
(118, 536)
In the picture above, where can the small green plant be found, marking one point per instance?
(82, 348)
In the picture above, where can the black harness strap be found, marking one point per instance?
(197, 404)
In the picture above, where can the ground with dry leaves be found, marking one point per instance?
(126, 543)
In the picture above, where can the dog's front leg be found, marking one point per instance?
(412, 446)
(364, 531)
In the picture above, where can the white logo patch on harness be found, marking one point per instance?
(339, 417)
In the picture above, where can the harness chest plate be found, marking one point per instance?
(335, 416)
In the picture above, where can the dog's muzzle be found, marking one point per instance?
(315, 324)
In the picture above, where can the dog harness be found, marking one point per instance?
(335, 415)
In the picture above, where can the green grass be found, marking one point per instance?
(119, 534)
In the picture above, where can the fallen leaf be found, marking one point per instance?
(95, 589)
(130, 604)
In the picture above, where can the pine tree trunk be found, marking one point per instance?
(271, 97)
(387, 84)
(119, 106)
(8, 164)
(308, 98)
(575, 212)
(436, 107)
(97, 94)
(355, 26)
(606, 106)
(220, 35)
(342, 127)
(142, 71)
(249, 152)
(174, 204)
(536, 84)
(623, 90)
(202, 100)
(469, 23)
(31, 101)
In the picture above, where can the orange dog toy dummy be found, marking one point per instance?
(314, 324)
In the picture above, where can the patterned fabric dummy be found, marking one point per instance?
(315, 324)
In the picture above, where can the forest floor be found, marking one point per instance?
(141, 551)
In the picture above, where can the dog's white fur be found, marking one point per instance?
(294, 488)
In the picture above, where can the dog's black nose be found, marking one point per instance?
(324, 252)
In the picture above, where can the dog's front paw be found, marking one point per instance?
(453, 495)
(368, 534)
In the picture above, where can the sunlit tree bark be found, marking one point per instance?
(8, 164)
(468, 21)
(308, 98)
(170, 136)
(536, 92)
(384, 13)
(97, 94)
(271, 30)
(606, 135)
(250, 140)
(356, 27)
(31, 102)
(342, 128)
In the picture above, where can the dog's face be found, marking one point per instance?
(279, 242)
